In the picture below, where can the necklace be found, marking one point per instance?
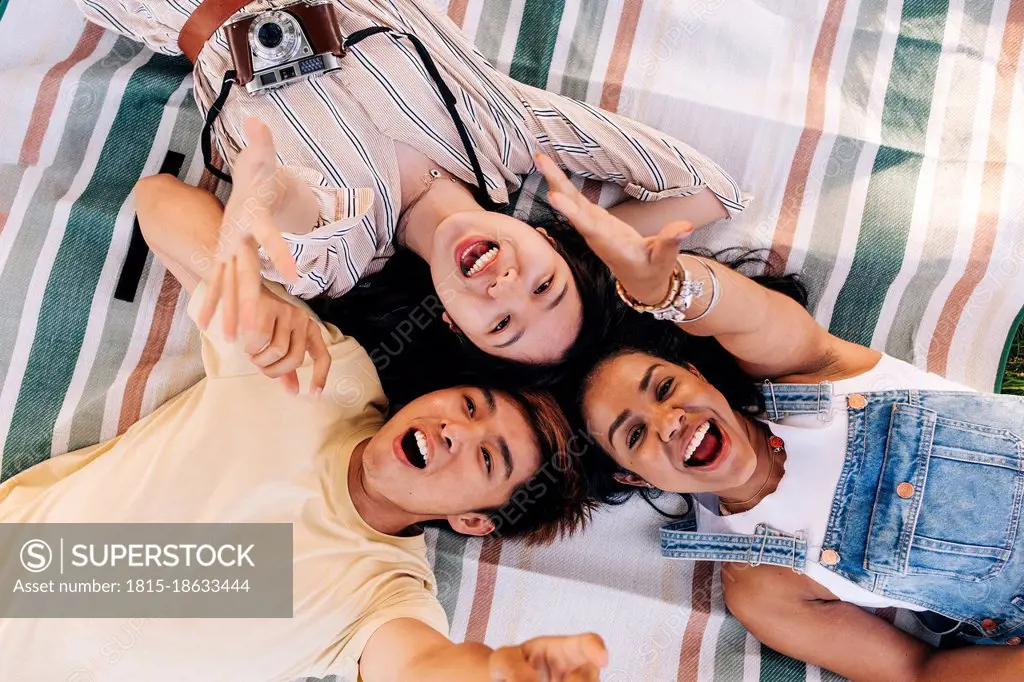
(777, 445)
(428, 179)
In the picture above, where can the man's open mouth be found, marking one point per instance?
(475, 257)
(415, 448)
(705, 446)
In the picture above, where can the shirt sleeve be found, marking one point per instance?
(646, 163)
(411, 603)
(223, 358)
(332, 257)
(135, 20)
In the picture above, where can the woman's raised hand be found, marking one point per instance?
(643, 265)
(260, 191)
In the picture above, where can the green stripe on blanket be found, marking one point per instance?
(80, 261)
(882, 242)
(536, 44)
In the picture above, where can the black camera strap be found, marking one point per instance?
(447, 97)
(230, 78)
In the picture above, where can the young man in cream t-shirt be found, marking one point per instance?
(239, 448)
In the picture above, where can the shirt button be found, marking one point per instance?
(988, 625)
(857, 401)
(905, 490)
(830, 557)
(1013, 641)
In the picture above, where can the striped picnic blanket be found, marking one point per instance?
(882, 140)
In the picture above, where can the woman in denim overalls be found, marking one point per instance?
(848, 479)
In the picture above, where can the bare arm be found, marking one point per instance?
(769, 333)
(797, 617)
(407, 649)
(648, 217)
(180, 223)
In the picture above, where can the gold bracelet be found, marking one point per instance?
(675, 284)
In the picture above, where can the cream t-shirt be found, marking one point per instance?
(236, 447)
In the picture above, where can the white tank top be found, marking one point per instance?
(815, 451)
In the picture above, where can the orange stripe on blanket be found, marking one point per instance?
(616, 74)
(700, 612)
(167, 301)
(3, 222)
(46, 98)
(159, 330)
(991, 191)
(457, 11)
(796, 184)
(486, 578)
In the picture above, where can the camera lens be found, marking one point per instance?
(270, 35)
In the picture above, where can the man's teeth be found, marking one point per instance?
(421, 443)
(483, 260)
(698, 438)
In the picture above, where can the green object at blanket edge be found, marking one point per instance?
(3, 6)
(1016, 329)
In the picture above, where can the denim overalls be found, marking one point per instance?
(927, 508)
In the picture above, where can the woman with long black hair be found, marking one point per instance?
(845, 479)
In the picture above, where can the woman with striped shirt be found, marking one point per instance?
(368, 159)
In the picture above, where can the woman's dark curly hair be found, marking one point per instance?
(634, 332)
(395, 315)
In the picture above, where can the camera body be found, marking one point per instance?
(285, 45)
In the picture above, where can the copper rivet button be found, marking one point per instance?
(988, 625)
(905, 490)
(857, 401)
(830, 557)
(1013, 641)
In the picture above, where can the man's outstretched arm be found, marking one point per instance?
(181, 224)
(407, 649)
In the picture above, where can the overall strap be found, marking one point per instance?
(784, 400)
(765, 546)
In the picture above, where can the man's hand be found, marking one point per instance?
(281, 336)
(578, 658)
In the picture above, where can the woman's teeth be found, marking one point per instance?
(483, 260)
(421, 443)
(698, 438)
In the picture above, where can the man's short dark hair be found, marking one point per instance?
(552, 503)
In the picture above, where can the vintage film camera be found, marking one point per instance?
(283, 45)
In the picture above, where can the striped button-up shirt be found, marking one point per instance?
(337, 131)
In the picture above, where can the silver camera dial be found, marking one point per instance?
(275, 36)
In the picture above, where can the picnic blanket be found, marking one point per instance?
(882, 140)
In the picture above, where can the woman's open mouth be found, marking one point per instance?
(475, 256)
(705, 447)
(414, 448)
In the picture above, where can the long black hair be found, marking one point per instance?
(633, 332)
(395, 314)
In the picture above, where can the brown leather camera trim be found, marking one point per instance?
(323, 32)
(238, 42)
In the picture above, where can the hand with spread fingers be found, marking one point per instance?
(264, 200)
(643, 265)
(577, 658)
